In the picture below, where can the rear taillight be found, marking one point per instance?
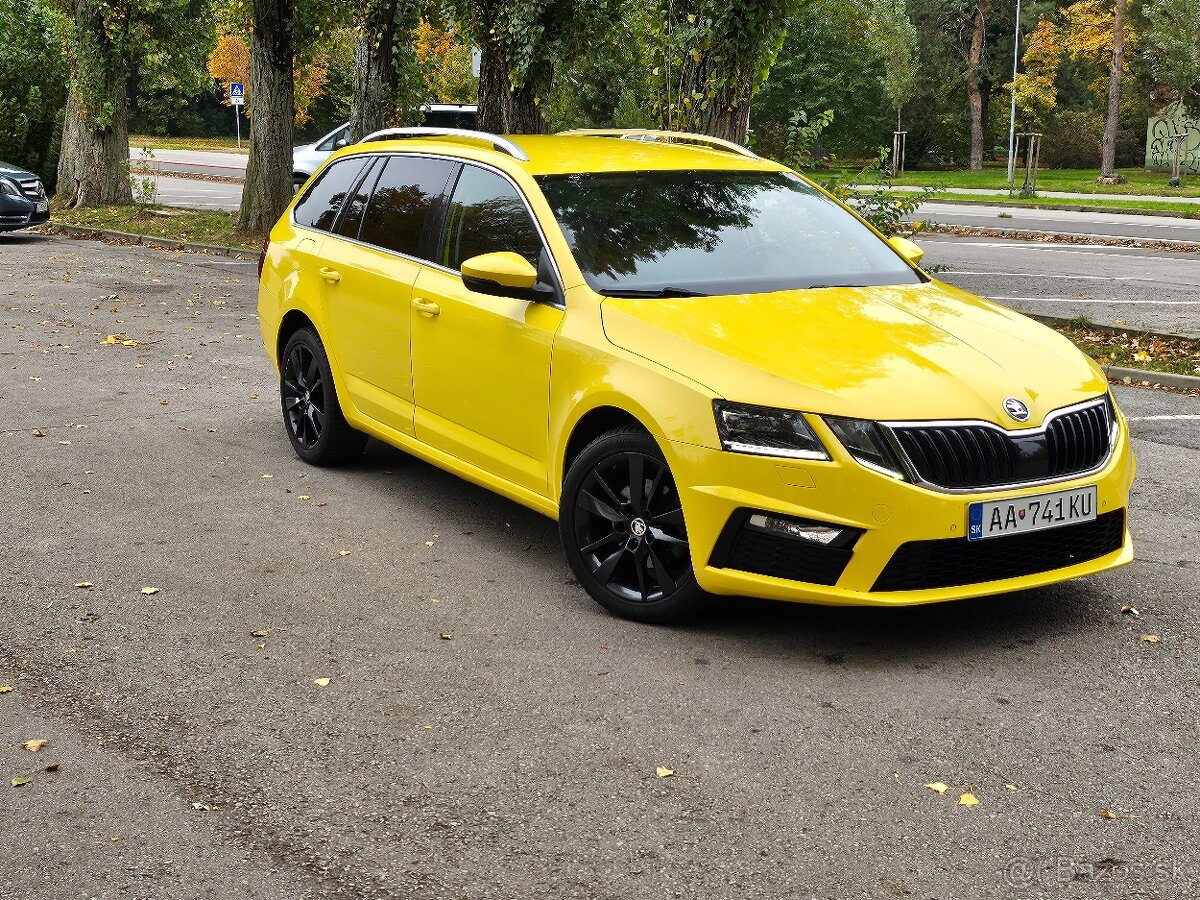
(262, 255)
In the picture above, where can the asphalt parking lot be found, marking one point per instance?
(486, 731)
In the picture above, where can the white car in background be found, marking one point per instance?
(307, 158)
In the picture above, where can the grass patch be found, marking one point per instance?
(204, 227)
(1178, 355)
(1097, 204)
(216, 144)
(995, 178)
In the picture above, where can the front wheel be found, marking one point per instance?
(311, 412)
(622, 527)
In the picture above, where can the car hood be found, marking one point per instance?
(14, 172)
(926, 351)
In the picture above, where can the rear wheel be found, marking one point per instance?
(312, 415)
(622, 527)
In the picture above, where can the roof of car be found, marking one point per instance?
(561, 154)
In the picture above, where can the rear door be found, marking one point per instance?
(369, 263)
(481, 363)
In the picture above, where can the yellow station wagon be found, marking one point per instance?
(715, 377)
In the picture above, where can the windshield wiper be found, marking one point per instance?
(652, 293)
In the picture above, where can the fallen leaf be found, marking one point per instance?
(129, 343)
(37, 432)
(305, 497)
(268, 476)
(149, 590)
(343, 553)
(968, 799)
(938, 787)
(663, 772)
(1010, 787)
(261, 632)
(35, 745)
(445, 635)
(65, 443)
(165, 402)
(261, 646)
(1130, 611)
(139, 366)
(83, 584)
(321, 682)
(21, 782)
(1108, 814)
(1149, 638)
(111, 339)
(6, 688)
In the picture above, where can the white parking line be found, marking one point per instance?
(1095, 300)
(1111, 251)
(1163, 418)
(1070, 275)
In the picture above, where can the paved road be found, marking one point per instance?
(1149, 228)
(199, 162)
(195, 193)
(516, 759)
(991, 193)
(1142, 288)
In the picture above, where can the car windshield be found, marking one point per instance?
(687, 233)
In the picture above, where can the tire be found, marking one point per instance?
(630, 553)
(312, 416)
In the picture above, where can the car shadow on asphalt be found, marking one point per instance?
(833, 634)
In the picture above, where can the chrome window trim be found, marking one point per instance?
(557, 304)
(915, 476)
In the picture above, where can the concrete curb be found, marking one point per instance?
(1064, 237)
(145, 240)
(1164, 379)
(1115, 329)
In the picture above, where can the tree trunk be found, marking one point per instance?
(374, 74)
(268, 187)
(524, 112)
(726, 115)
(493, 90)
(93, 168)
(974, 96)
(1108, 156)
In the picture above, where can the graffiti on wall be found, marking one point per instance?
(1161, 137)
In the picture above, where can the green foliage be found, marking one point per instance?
(1171, 46)
(33, 85)
(894, 40)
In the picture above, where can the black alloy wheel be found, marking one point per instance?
(311, 413)
(622, 526)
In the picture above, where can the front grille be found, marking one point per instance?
(968, 456)
(923, 565)
(32, 188)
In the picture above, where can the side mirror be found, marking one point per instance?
(340, 143)
(504, 274)
(906, 248)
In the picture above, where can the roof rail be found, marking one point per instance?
(670, 137)
(503, 144)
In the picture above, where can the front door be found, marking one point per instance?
(481, 364)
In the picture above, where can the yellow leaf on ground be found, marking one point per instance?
(321, 682)
(21, 782)
(6, 688)
(968, 799)
(149, 590)
(938, 787)
(83, 584)
(664, 772)
(1108, 814)
(261, 632)
(445, 635)
(1010, 787)
(111, 339)
(1150, 638)
(35, 745)
(343, 553)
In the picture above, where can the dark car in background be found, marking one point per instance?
(23, 200)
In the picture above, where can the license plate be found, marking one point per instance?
(43, 205)
(996, 518)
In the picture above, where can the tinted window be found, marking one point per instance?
(357, 204)
(319, 207)
(449, 118)
(487, 215)
(715, 233)
(406, 203)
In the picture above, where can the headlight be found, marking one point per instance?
(766, 431)
(10, 188)
(867, 443)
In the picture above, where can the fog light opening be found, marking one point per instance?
(805, 531)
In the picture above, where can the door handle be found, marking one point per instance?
(333, 276)
(428, 307)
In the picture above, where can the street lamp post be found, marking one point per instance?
(1012, 115)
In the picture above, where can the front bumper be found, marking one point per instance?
(17, 212)
(718, 488)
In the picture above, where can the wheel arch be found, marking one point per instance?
(596, 421)
(292, 322)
